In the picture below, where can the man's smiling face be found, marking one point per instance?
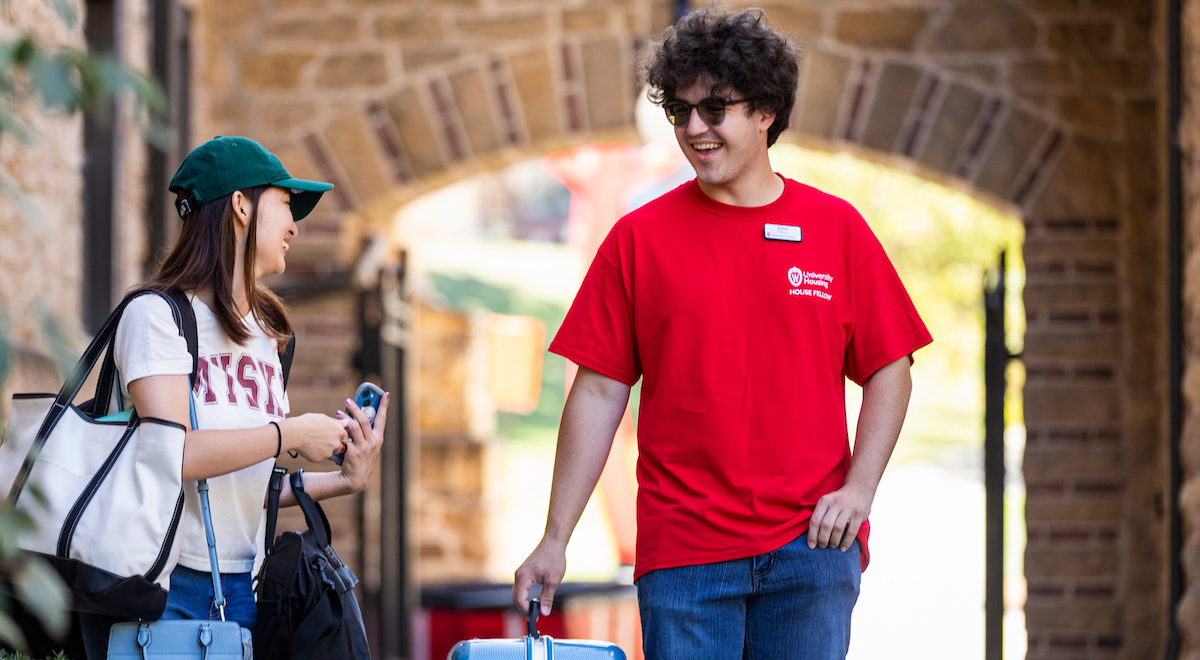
(723, 153)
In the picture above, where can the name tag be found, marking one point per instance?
(782, 233)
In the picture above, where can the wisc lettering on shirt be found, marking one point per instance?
(244, 381)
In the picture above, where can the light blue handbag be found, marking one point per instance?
(186, 639)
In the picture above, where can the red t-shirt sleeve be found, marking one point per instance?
(598, 330)
(886, 324)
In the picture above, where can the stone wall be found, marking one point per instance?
(133, 257)
(40, 251)
(322, 377)
(1053, 108)
(41, 254)
(459, 458)
(459, 463)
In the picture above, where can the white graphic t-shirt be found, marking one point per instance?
(236, 387)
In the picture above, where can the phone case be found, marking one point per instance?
(367, 397)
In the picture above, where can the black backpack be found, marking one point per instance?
(306, 602)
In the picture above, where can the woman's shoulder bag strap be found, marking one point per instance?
(275, 488)
(185, 318)
(285, 359)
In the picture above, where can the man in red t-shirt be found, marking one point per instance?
(743, 300)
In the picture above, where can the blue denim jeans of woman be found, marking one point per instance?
(794, 602)
(190, 597)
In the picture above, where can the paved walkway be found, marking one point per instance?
(922, 596)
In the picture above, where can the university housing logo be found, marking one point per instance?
(809, 283)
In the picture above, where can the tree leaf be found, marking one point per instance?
(147, 91)
(13, 524)
(21, 51)
(12, 124)
(12, 192)
(51, 77)
(65, 12)
(158, 134)
(58, 336)
(99, 78)
(8, 52)
(43, 594)
(10, 633)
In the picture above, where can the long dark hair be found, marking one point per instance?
(205, 256)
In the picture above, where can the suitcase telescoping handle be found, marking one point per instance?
(532, 617)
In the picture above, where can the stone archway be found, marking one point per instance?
(1051, 106)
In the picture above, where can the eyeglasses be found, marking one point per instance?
(711, 109)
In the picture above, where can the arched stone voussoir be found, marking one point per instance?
(378, 208)
(903, 163)
(948, 123)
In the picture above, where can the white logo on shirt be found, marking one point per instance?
(819, 283)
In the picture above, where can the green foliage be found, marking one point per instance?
(5, 655)
(67, 80)
(66, 13)
(33, 581)
(58, 337)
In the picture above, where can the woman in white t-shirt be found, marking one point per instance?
(239, 208)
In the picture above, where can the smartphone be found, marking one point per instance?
(367, 398)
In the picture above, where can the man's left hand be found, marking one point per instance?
(837, 517)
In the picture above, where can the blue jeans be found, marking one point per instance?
(190, 597)
(790, 603)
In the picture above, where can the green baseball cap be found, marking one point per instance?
(227, 164)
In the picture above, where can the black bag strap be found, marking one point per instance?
(273, 492)
(190, 333)
(285, 359)
(318, 524)
(277, 473)
(106, 383)
(185, 319)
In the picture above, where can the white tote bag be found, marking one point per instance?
(106, 496)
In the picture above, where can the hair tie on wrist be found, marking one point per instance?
(278, 439)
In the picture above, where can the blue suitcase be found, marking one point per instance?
(535, 646)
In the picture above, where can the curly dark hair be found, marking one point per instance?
(737, 51)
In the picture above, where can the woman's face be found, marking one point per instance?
(275, 231)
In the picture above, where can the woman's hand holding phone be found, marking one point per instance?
(362, 452)
(369, 398)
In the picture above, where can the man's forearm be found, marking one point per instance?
(590, 418)
(837, 516)
(594, 409)
(885, 402)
